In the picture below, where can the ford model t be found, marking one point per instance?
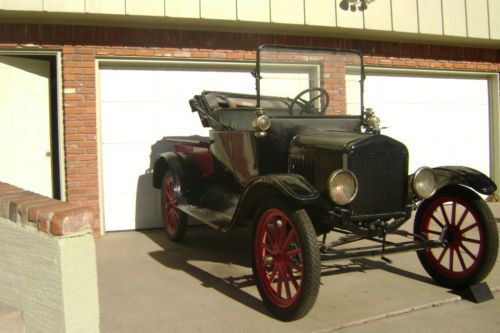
(303, 158)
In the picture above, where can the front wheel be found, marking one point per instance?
(471, 237)
(285, 260)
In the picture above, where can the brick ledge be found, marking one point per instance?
(41, 213)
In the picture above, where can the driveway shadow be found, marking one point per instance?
(375, 264)
(227, 256)
(222, 261)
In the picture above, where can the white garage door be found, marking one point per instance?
(443, 121)
(139, 107)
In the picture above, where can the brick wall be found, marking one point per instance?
(81, 45)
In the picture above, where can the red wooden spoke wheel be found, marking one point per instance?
(286, 261)
(174, 221)
(470, 234)
(279, 258)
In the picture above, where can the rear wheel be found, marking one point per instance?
(174, 220)
(285, 260)
(470, 233)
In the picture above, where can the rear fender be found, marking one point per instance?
(459, 175)
(164, 162)
(292, 187)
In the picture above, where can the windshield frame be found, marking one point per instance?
(258, 76)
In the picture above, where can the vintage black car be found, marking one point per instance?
(303, 158)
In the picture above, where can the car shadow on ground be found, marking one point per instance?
(226, 254)
(222, 261)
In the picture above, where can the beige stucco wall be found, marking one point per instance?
(52, 280)
(433, 20)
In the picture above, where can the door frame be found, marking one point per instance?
(56, 114)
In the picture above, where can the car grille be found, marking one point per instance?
(383, 181)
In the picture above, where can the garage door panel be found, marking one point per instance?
(415, 90)
(134, 200)
(142, 207)
(132, 161)
(443, 121)
(141, 122)
(128, 85)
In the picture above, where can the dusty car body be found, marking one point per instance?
(302, 158)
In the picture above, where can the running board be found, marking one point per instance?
(369, 251)
(210, 217)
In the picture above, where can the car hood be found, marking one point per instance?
(343, 141)
(328, 140)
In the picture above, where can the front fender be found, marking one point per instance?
(459, 175)
(292, 187)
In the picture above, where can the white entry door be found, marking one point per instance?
(25, 124)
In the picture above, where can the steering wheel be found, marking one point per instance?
(307, 106)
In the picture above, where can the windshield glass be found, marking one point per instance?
(311, 82)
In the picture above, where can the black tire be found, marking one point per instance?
(174, 220)
(472, 237)
(286, 264)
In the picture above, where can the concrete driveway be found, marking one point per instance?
(148, 284)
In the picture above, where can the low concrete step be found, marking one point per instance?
(11, 319)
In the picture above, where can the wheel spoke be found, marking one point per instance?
(169, 191)
(267, 248)
(470, 240)
(434, 232)
(294, 252)
(282, 234)
(173, 226)
(276, 230)
(445, 215)
(441, 256)
(453, 212)
(468, 252)
(286, 281)
(293, 279)
(472, 226)
(280, 281)
(297, 267)
(452, 250)
(271, 234)
(461, 259)
(172, 215)
(289, 239)
(437, 221)
(171, 198)
(272, 276)
(462, 218)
